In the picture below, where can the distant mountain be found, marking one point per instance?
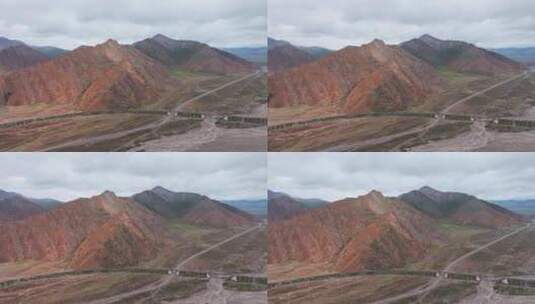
(461, 208)
(311, 202)
(50, 51)
(253, 54)
(7, 43)
(104, 231)
(460, 56)
(14, 207)
(282, 55)
(281, 206)
(373, 77)
(523, 55)
(108, 76)
(46, 203)
(368, 232)
(20, 56)
(192, 55)
(254, 207)
(526, 207)
(316, 52)
(193, 208)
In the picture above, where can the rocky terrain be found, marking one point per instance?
(192, 55)
(15, 207)
(102, 231)
(368, 232)
(193, 208)
(107, 76)
(374, 232)
(282, 206)
(461, 208)
(7, 43)
(373, 77)
(460, 56)
(107, 231)
(282, 56)
(18, 57)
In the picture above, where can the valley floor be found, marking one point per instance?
(40, 129)
(484, 98)
(221, 253)
(492, 255)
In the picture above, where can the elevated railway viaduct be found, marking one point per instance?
(243, 279)
(430, 274)
(227, 120)
(508, 122)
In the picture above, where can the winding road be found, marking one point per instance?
(154, 288)
(425, 128)
(153, 126)
(425, 290)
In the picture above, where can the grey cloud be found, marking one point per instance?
(337, 175)
(71, 23)
(69, 176)
(337, 23)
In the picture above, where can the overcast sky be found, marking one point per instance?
(69, 176)
(333, 176)
(338, 23)
(71, 23)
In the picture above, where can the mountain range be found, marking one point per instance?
(375, 76)
(460, 56)
(282, 206)
(106, 230)
(282, 55)
(106, 76)
(373, 231)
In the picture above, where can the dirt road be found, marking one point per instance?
(155, 287)
(186, 103)
(477, 138)
(435, 282)
(449, 108)
(152, 126)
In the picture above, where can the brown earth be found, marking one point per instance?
(460, 56)
(193, 208)
(107, 76)
(369, 232)
(15, 207)
(461, 208)
(192, 55)
(102, 231)
(21, 56)
(282, 206)
(373, 77)
(283, 55)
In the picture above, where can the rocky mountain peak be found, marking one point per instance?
(108, 194)
(428, 189)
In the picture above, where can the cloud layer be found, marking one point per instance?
(338, 23)
(71, 23)
(69, 176)
(334, 176)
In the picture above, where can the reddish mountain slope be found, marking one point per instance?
(282, 206)
(15, 207)
(191, 55)
(460, 56)
(108, 76)
(282, 56)
(103, 231)
(461, 208)
(374, 77)
(193, 208)
(369, 232)
(18, 57)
